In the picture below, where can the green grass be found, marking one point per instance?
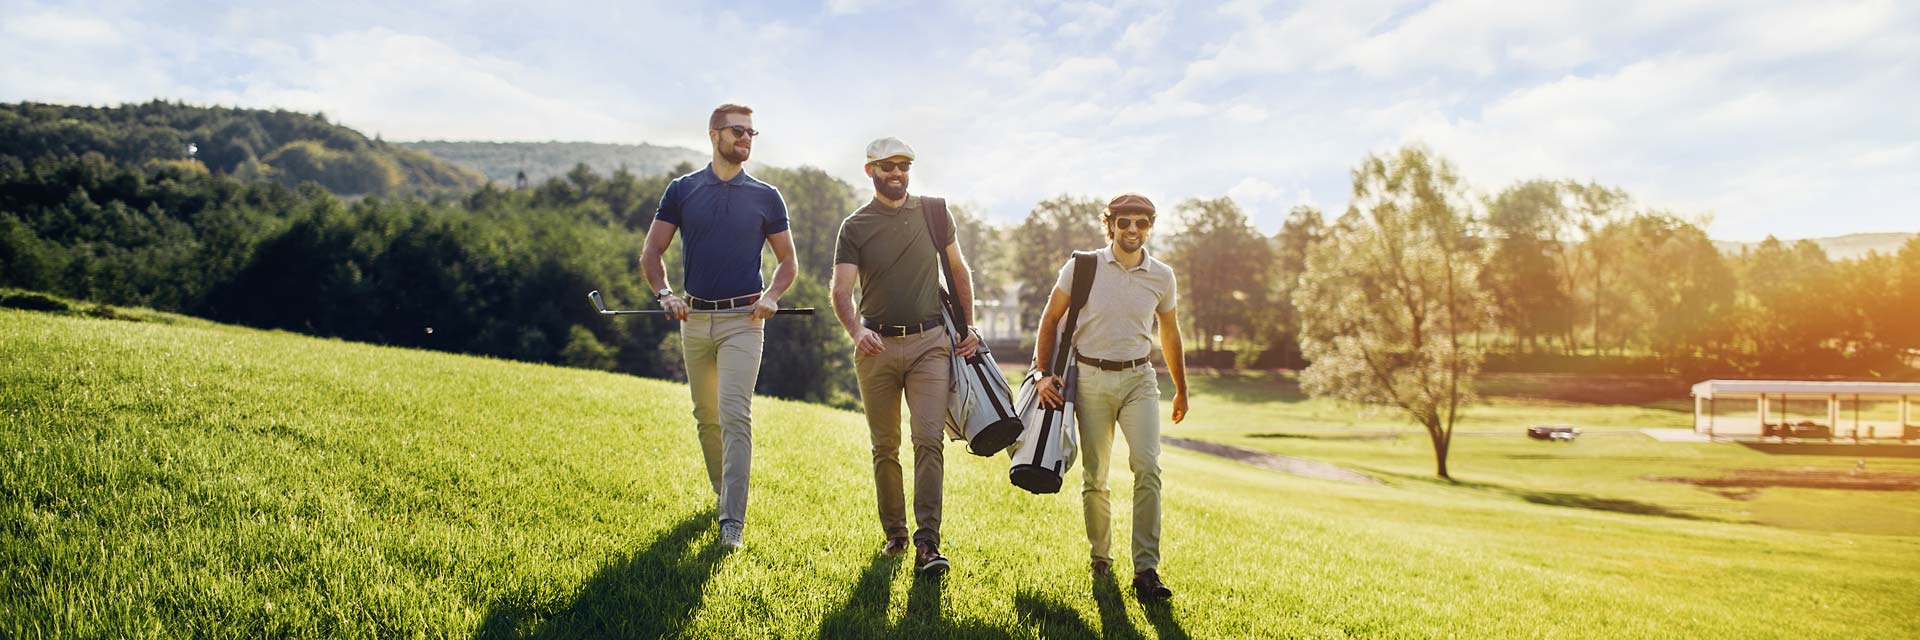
(1609, 467)
(174, 480)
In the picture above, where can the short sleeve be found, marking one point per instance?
(1172, 295)
(776, 215)
(947, 241)
(845, 250)
(669, 211)
(1065, 282)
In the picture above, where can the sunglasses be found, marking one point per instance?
(890, 166)
(1127, 223)
(741, 132)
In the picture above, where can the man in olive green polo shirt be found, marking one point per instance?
(900, 344)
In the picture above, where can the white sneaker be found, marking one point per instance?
(731, 533)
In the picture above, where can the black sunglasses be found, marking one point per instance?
(1127, 223)
(889, 166)
(741, 132)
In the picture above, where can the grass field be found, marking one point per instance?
(1609, 467)
(175, 480)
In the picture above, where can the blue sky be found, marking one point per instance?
(1796, 119)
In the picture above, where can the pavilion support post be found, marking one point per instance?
(1833, 415)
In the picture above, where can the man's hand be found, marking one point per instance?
(1050, 396)
(1179, 406)
(765, 307)
(968, 345)
(867, 342)
(674, 306)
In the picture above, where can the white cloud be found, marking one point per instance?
(1776, 116)
(413, 86)
(61, 29)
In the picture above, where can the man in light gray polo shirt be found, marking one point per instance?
(1131, 293)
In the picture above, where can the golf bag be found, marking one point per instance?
(1051, 440)
(979, 405)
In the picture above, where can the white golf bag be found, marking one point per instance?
(1051, 440)
(1047, 447)
(980, 406)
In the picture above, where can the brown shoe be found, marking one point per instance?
(1102, 569)
(1147, 586)
(896, 546)
(928, 562)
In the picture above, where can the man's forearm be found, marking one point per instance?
(654, 265)
(1176, 358)
(963, 293)
(1044, 343)
(783, 277)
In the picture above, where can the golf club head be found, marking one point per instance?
(598, 304)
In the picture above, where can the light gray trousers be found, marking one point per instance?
(722, 353)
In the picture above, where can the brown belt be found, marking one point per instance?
(1111, 365)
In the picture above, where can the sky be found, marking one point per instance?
(1797, 119)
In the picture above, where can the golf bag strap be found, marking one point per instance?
(935, 211)
(1085, 263)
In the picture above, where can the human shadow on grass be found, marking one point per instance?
(1051, 619)
(864, 614)
(1559, 498)
(651, 594)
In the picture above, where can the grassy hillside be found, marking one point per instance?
(201, 480)
(285, 146)
(501, 162)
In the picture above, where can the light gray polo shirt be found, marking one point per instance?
(1118, 321)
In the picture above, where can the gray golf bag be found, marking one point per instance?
(980, 406)
(1046, 449)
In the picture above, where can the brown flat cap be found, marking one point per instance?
(1130, 202)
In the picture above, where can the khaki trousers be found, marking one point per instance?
(1130, 399)
(722, 353)
(920, 366)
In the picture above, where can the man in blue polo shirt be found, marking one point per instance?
(726, 216)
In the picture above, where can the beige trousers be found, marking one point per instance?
(1130, 399)
(722, 353)
(918, 366)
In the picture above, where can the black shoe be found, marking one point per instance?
(1102, 569)
(929, 562)
(896, 546)
(1147, 586)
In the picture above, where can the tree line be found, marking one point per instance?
(1577, 275)
(1574, 275)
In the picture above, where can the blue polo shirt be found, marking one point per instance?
(724, 223)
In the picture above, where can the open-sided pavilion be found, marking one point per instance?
(1845, 401)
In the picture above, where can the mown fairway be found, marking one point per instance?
(198, 480)
(1610, 467)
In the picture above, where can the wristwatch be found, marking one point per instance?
(662, 293)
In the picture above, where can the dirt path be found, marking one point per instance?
(1284, 464)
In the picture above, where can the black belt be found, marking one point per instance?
(1111, 365)
(897, 330)
(722, 305)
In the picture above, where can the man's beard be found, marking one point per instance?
(889, 191)
(735, 154)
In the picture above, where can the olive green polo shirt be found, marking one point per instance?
(899, 269)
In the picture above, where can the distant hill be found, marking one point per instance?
(1853, 245)
(501, 161)
(285, 146)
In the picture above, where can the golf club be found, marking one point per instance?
(600, 305)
